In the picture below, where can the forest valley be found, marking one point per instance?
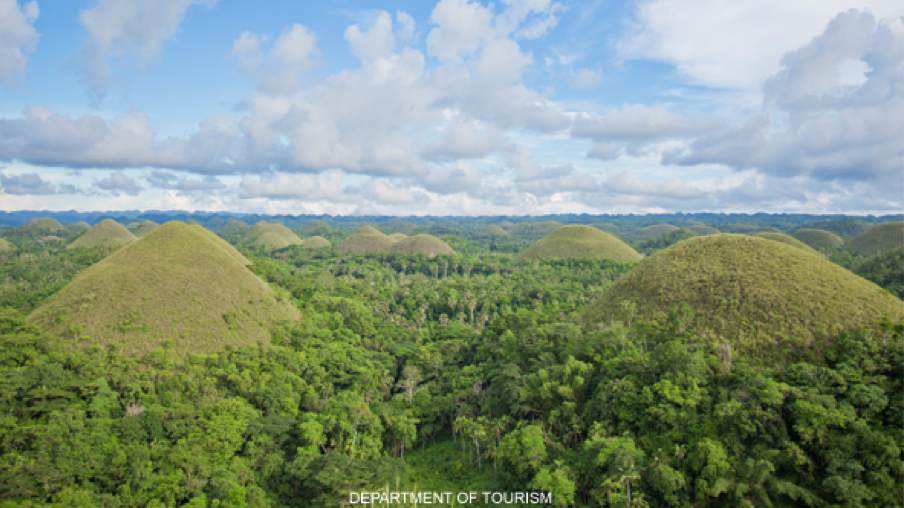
(465, 372)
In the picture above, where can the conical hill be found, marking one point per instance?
(493, 230)
(578, 241)
(271, 241)
(365, 240)
(316, 225)
(745, 289)
(421, 244)
(819, 238)
(144, 228)
(315, 242)
(175, 284)
(787, 240)
(878, 239)
(106, 232)
(43, 224)
(223, 244)
(285, 233)
(233, 227)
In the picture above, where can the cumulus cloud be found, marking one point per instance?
(815, 122)
(247, 52)
(465, 140)
(460, 177)
(167, 180)
(17, 37)
(586, 79)
(118, 183)
(118, 28)
(734, 44)
(26, 184)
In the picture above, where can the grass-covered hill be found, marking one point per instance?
(176, 284)
(787, 240)
(316, 226)
(406, 228)
(581, 242)
(819, 238)
(42, 224)
(704, 230)
(316, 242)
(534, 229)
(106, 231)
(271, 241)
(222, 244)
(493, 230)
(650, 232)
(5, 246)
(848, 227)
(82, 224)
(144, 228)
(746, 290)
(280, 230)
(879, 239)
(395, 237)
(233, 227)
(421, 244)
(365, 240)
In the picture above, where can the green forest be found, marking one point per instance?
(597, 381)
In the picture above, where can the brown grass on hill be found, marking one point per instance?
(107, 231)
(365, 240)
(45, 224)
(878, 239)
(271, 241)
(144, 228)
(819, 238)
(787, 240)
(175, 284)
(316, 242)
(421, 244)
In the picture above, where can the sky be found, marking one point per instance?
(459, 107)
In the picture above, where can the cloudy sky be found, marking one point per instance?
(453, 108)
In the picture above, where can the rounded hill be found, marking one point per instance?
(82, 224)
(493, 230)
(283, 232)
(233, 227)
(144, 228)
(365, 240)
(704, 230)
(271, 241)
(879, 239)
(42, 224)
(316, 242)
(176, 284)
(316, 225)
(106, 232)
(819, 238)
(581, 242)
(746, 288)
(651, 232)
(421, 244)
(787, 240)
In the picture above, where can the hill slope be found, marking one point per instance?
(747, 287)
(650, 232)
(819, 238)
(144, 228)
(223, 244)
(879, 239)
(106, 231)
(42, 225)
(4, 245)
(316, 242)
(787, 240)
(285, 233)
(579, 242)
(175, 283)
(232, 227)
(365, 240)
(271, 241)
(421, 244)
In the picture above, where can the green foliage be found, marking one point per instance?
(879, 239)
(886, 270)
(787, 240)
(819, 239)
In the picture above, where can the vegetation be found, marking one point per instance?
(271, 241)
(4, 245)
(262, 228)
(233, 227)
(886, 270)
(44, 224)
(704, 230)
(819, 239)
(581, 242)
(106, 231)
(650, 232)
(494, 230)
(474, 371)
(878, 239)
(746, 291)
(316, 227)
(787, 240)
(847, 227)
(175, 286)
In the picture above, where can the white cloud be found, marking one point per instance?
(586, 79)
(246, 51)
(733, 44)
(465, 140)
(125, 27)
(376, 43)
(462, 27)
(17, 37)
(25, 184)
(118, 183)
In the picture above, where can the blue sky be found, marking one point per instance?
(453, 108)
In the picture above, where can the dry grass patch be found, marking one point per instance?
(819, 238)
(787, 240)
(365, 240)
(421, 244)
(43, 224)
(879, 239)
(144, 228)
(316, 242)
(234, 227)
